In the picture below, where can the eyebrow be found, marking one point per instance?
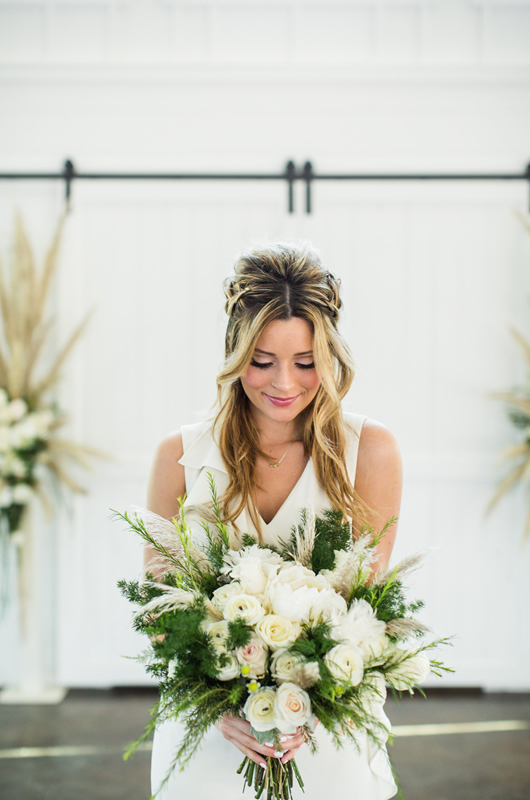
(297, 355)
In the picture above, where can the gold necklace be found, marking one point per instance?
(277, 463)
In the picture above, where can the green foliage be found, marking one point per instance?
(388, 599)
(331, 534)
(315, 641)
(239, 634)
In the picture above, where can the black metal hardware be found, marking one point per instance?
(291, 174)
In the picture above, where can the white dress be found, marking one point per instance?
(360, 774)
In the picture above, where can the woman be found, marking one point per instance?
(279, 442)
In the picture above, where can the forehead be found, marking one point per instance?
(286, 336)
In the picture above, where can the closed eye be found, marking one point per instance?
(261, 365)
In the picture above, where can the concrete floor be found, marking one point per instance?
(479, 765)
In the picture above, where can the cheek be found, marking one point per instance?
(311, 382)
(253, 378)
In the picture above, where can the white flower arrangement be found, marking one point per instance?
(29, 417)
(292, 641)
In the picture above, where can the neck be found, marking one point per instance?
(277, 433)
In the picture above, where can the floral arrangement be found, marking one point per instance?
(518, 407)
(281, 636)
(30, 449)
(23, 436)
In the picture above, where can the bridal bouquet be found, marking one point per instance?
(279, 635)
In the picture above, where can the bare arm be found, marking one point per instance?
(378, 482)
(166, 482)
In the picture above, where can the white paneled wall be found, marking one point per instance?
(266, 31)
(433, 273)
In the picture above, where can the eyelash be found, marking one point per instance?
(269, 364)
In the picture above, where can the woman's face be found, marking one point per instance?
(281, 379)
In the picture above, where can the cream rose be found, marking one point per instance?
(222, 595)
(245, 607)
(254, 654)
(286, 666)
(293, 708)
(218, 631)
(411, 670)
(345, 662)
(277, 631)
(260, 709)
(231, 668)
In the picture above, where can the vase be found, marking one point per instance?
(35, 594)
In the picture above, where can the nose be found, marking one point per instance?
(283, 380)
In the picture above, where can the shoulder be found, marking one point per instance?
(167, 478)
(378, 449)
(171, 448)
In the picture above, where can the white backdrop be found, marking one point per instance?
(433, 274)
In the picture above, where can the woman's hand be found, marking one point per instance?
(237, 731)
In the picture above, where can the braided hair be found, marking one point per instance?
(278, 281)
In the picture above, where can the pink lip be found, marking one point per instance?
(281, 401)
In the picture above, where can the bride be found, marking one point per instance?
(279, 441)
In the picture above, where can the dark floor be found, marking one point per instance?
(482, 765)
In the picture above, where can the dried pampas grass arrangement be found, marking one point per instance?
(518, 403)
(30, 420)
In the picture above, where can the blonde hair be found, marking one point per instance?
(279, 281)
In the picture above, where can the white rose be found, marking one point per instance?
(222, 595)
(230, 670)
(260, 709)
(309, 675)
(245, 607)
(286, 666)
(293, 708)
(409, 671)
(23, 434)
(253, 567)
(218, 632)
(22, 493)
(345, 662)
(277, 631)
(16, 409)
(255, 655)
(289, 666)
(360, 627)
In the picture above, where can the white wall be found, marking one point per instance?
(433, 273)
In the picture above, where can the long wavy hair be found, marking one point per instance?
(279, 281)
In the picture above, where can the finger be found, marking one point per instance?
(257, 758)
(289, 754)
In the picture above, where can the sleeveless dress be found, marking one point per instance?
(362, 772)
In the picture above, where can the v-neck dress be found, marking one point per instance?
(359, 773)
